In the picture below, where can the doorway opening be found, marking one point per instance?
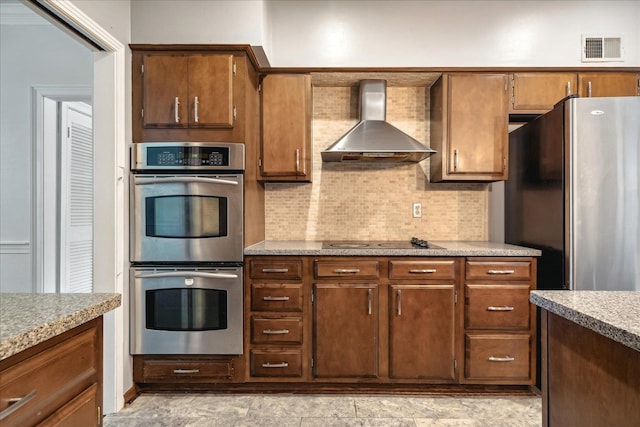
(63, 196)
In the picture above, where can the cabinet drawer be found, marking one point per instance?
(497, 306)
(49, 379)
(285, 330)
(418, 270)
(276, 363)
(276, 297)
(285, 269)
(498, 270)
(347, 269)
(81, 411)
(184, 370)
(505, 356)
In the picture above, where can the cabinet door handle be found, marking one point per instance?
(455, 160)
(270, 298)
(275, 365)
(346, 270)
(399, 294)
(589, 89)
(425, 271)
(501, 359)
(186, 371)
(501, 271)
(196, 118)
(297, 160)
(275, 270)
(277, 332)
(176, 109)
(502, 308)
(16, 403)
(369, 298)
(568, 88)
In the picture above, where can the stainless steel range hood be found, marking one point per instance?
(373, 139)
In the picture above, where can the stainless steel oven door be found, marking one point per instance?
(186, 218)
(186, 311)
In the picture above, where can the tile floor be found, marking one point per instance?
(284, 410)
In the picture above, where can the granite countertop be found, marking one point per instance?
(28, 319)
(614, 314)
(449, 248)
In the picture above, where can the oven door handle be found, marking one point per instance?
(187, 274)
(183, 179)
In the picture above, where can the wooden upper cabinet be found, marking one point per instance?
(187, 91)
(609, 84)
(539, 92)
(469, 127)
(286, 127)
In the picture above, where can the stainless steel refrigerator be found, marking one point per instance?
(573, 192)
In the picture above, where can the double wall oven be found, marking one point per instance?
(186, 248)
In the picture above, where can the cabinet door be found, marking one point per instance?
(211, 90)
(345, 330)
(286, 127)
(165, 92)
(609, 84)
(539, 92)
(478, 125)
(469, 127)
(422, 331)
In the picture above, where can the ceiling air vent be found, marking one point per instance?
(601, 49)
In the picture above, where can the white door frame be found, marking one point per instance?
(109, 208)
(40, 138)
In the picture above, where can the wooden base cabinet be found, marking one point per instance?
(345, 325)
(58, 382)
(499, 321)
(423, 319)
(422, 332)
(275, 321)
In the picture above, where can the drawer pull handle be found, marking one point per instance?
(270, 298)
(425, 271)
(16, 403)
(186, 371)
(346, 270)
(503, 308)
(277, 332)
(501, 359)
(399, 296)
(501, 271)
(275, 365)
(275, 270)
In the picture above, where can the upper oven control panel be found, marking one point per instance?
(187, 155)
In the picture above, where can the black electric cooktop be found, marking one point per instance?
(414, 243)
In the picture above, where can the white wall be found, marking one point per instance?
(197, 21)
(354, 33)
(445, 33)
(30, 55)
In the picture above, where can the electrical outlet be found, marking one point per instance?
(417, 210)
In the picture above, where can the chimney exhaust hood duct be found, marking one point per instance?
(373, 139)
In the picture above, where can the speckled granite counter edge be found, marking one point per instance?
(603, 328)
(391, 252)
(23, 341)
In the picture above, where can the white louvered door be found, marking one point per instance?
(76, 198)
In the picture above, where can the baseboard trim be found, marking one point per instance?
(131, 394)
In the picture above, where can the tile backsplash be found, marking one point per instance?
(373, 201)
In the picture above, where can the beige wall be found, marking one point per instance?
(362, 201)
